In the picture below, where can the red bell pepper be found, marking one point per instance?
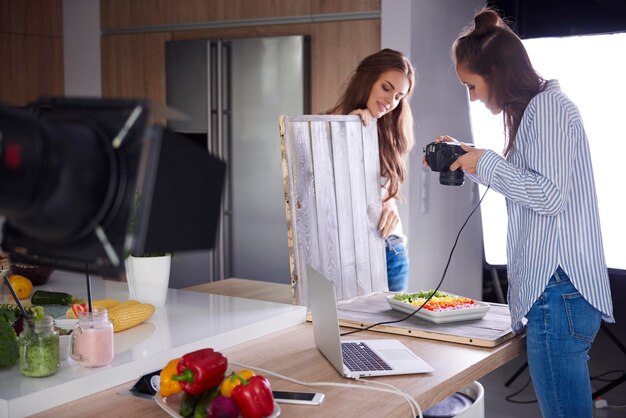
(254, 397)
(200, 370)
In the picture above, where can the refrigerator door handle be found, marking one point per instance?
(216, 146)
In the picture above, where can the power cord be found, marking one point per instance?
(387, 388)
(600, 377)
(368, 384)
(601, 403)
(598, 403)
(509, 398)
(440, 281)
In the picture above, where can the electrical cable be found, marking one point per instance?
(445, 270)
(416, 411)
(415, 408)
(509, 398)
(600, 376)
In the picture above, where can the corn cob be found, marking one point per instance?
(123, 305)
(129, 315)
(99, 304)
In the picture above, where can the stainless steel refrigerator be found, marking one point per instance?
(233, 92)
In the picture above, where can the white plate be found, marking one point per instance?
(171, 405)
(66, 324)
(442, 317)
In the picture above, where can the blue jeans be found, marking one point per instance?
(397, 264)
(561, 327)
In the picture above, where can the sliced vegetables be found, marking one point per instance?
(441, 301)
(79, 308)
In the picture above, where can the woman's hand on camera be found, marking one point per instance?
(441, 138)
(468, 161)
(446, 138)
(364, 114)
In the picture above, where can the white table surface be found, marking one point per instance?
(188, 321)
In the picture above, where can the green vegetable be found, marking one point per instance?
(45, 297)
(8, 344)
(200, 411)
(11, 312)
(423, 294)
(188, 404)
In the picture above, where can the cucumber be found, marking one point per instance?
(200, 411)
(188, 404)
(45, 297)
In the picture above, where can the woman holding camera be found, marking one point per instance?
(558, 280)
(379, 90)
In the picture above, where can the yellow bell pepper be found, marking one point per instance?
(169, 386)
(231, 381)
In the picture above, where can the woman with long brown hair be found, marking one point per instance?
(558, 279)
(379, 90)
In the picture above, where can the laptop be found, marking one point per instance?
(354, 359)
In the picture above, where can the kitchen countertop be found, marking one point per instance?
(292, 353)
(188, 321)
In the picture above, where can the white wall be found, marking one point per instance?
(434, 213)
(81, 48)
(396, 31)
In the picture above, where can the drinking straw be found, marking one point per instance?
(88, 288)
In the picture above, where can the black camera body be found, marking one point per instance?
(439, 156)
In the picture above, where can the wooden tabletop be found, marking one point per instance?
(292, 353)
(249, 289)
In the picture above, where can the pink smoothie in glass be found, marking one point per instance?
(93, 347)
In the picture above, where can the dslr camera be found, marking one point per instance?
(439, 156)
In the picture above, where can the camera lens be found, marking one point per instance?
(452, 178)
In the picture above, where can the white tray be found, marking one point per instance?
(442, 317)
(171, 405)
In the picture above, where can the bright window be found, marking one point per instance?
(590, 70)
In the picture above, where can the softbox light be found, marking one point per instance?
(71, 172)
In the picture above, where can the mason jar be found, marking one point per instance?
(39, 348)
(91, 341)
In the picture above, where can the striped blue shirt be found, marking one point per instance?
(553, 220)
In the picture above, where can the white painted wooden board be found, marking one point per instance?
(333, 203)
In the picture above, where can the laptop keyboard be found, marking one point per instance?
(358, 357)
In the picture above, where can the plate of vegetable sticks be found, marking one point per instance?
(441, 308)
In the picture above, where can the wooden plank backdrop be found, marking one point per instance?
(331, 175)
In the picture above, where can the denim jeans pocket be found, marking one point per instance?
(582, 318)
(395, 245)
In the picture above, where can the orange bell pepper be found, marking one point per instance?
(231, 381)
(169, 386)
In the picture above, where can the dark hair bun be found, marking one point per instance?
(485, 21)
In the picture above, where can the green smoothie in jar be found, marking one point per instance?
(39, 348)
